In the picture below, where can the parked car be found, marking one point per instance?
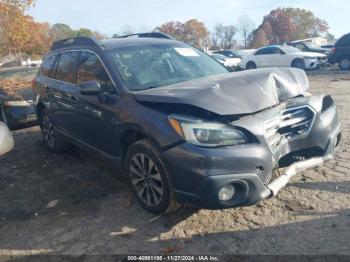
(310, 47)
(183, 129)
(6, 140)
(231, 64)
(227, 53)
(283, 56)
(328, 46)
(17, 109)
(341, 52)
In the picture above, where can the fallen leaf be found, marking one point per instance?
(169, 250)
(52, 203)
(124, 231)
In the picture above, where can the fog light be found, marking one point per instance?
(226, 192)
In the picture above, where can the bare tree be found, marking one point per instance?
(223, 37)
(245, 26)
(229, 33)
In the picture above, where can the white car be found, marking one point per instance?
(6, 140)
(230, 63)
(282, 56)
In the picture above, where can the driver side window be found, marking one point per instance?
(91, 68)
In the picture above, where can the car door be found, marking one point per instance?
(98, 120)
(63, 93)
(265, 57)
(278, 57)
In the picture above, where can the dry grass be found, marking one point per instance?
(9, 86)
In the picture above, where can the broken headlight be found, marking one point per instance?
(208, 134)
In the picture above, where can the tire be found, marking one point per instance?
(149, 179)
(251, 65)
(344, 63)
(54, 142)
(298, 63)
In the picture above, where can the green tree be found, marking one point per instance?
(61, 31)
(84, 32)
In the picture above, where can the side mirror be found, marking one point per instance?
(90, 88)
(6, 140)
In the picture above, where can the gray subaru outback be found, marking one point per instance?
(184, 129)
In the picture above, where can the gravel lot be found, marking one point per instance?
(96, 213)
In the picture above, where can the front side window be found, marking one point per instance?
(144, 67)
(91, 68)
(65, 67)
(47, 65)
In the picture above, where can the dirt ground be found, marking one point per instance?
(96, 213)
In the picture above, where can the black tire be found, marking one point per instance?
(298, 63)
(149, 179)
(344, 63)
(54, 142)
(251, 65)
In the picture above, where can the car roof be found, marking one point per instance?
(143, 39)
(134, 41)
(269, 46)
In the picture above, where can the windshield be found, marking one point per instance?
(144, 67)
(290, 49)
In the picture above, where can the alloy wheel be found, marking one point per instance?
(345, 63)
(146, 179)
(48, 131)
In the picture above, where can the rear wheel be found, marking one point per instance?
(251, 65)
(149, 179)
(53, 141)
(298, 63)
(344, 63)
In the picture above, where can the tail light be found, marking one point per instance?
(333, 50)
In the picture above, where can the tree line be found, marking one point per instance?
(21, 33)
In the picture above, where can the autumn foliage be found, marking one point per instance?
(192, 32)
(286, 24)
(20, 33)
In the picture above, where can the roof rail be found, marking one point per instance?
(75, 41)
(150, 34)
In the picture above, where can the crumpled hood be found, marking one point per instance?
(233, 93)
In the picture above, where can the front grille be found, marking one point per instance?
(291, 123)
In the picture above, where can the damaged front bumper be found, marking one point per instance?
(249, 168)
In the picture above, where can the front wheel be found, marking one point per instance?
(251, 65)
(149, 179)
(298, 63)
(344, 63)
(53, 141)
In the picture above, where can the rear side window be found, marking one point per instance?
(263, 51)
(48, 64)
(344, 41)
(65, 67)
(91, 68)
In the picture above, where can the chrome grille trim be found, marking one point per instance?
(291, 123)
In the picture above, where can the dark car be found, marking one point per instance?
(17, 110)
(228, 53)
(341, 52)
(310, 47)
(182, 127)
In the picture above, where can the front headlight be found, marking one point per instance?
(208, 134)
(310, 57)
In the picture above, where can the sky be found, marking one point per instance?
(110, 16)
